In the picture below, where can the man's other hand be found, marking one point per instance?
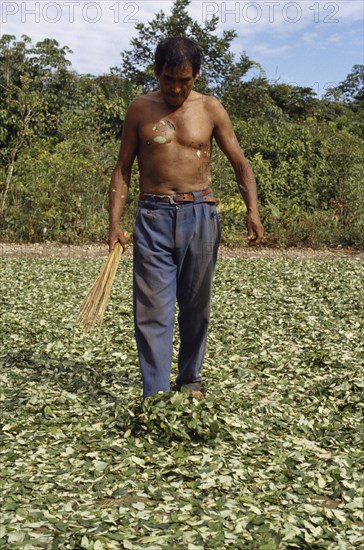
(255, 230)
(118, 236)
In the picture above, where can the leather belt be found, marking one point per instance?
(177, 198)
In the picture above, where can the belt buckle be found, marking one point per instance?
(171, 199)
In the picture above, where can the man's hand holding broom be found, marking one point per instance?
(117, 235)
(117, 200)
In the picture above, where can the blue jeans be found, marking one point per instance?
(175, 251)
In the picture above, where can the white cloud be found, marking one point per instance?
(266, 50)
(334, 38)
(310, 37)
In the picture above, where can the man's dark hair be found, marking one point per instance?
(175, 53)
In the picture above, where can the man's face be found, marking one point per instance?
(176, 84)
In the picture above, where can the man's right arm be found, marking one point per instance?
(120, 178)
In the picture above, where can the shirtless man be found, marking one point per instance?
(177, 232)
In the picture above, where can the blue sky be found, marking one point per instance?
(311, 43)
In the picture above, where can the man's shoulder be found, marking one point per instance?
(138, 102)
(214, 109)
(208, 100)
(151, 97)
(143, 102)
(211, 103)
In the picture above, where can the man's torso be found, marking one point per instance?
(174, 146)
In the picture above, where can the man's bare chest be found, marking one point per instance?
(185, 129)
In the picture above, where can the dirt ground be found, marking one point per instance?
(56, 250)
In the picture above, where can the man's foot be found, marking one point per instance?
(197, 394)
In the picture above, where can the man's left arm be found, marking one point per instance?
(226, 140)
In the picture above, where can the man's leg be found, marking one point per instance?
(154, 296)
(196, 266)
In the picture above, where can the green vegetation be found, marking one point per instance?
(273, 458)
(59, 134)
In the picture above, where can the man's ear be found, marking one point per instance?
(196, 77)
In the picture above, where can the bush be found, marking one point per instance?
(60, 193)
(309, 178)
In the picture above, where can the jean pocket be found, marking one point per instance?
(215, 219)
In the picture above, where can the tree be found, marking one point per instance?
(41, 69)
(251, 99)
(32, 80)
(23, 112)
(350, 90)
(349, 94)
(296, 101)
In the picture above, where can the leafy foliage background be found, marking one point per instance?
(59, 135)
(273, 458)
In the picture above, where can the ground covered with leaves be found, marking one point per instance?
(272, 459)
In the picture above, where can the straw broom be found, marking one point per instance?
(93, 307)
